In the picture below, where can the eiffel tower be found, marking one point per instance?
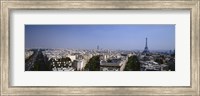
(146, 50)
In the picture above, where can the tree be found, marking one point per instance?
(41, 63)
(133, 64)
(66, 59)
(159, 60)
(109, 60)
(171, 64)
(93, 64)
(173, 55)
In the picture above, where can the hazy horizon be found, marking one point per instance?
(107, 36)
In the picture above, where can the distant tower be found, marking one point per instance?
(146, 50)
(97, 47)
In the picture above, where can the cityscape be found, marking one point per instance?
(100, 47)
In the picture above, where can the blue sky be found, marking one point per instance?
(112, 36)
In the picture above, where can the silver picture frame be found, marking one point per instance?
(8, 5)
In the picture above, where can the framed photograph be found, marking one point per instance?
(74, 47)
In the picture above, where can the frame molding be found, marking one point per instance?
(8, 5)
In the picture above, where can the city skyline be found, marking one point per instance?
(125, 37)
